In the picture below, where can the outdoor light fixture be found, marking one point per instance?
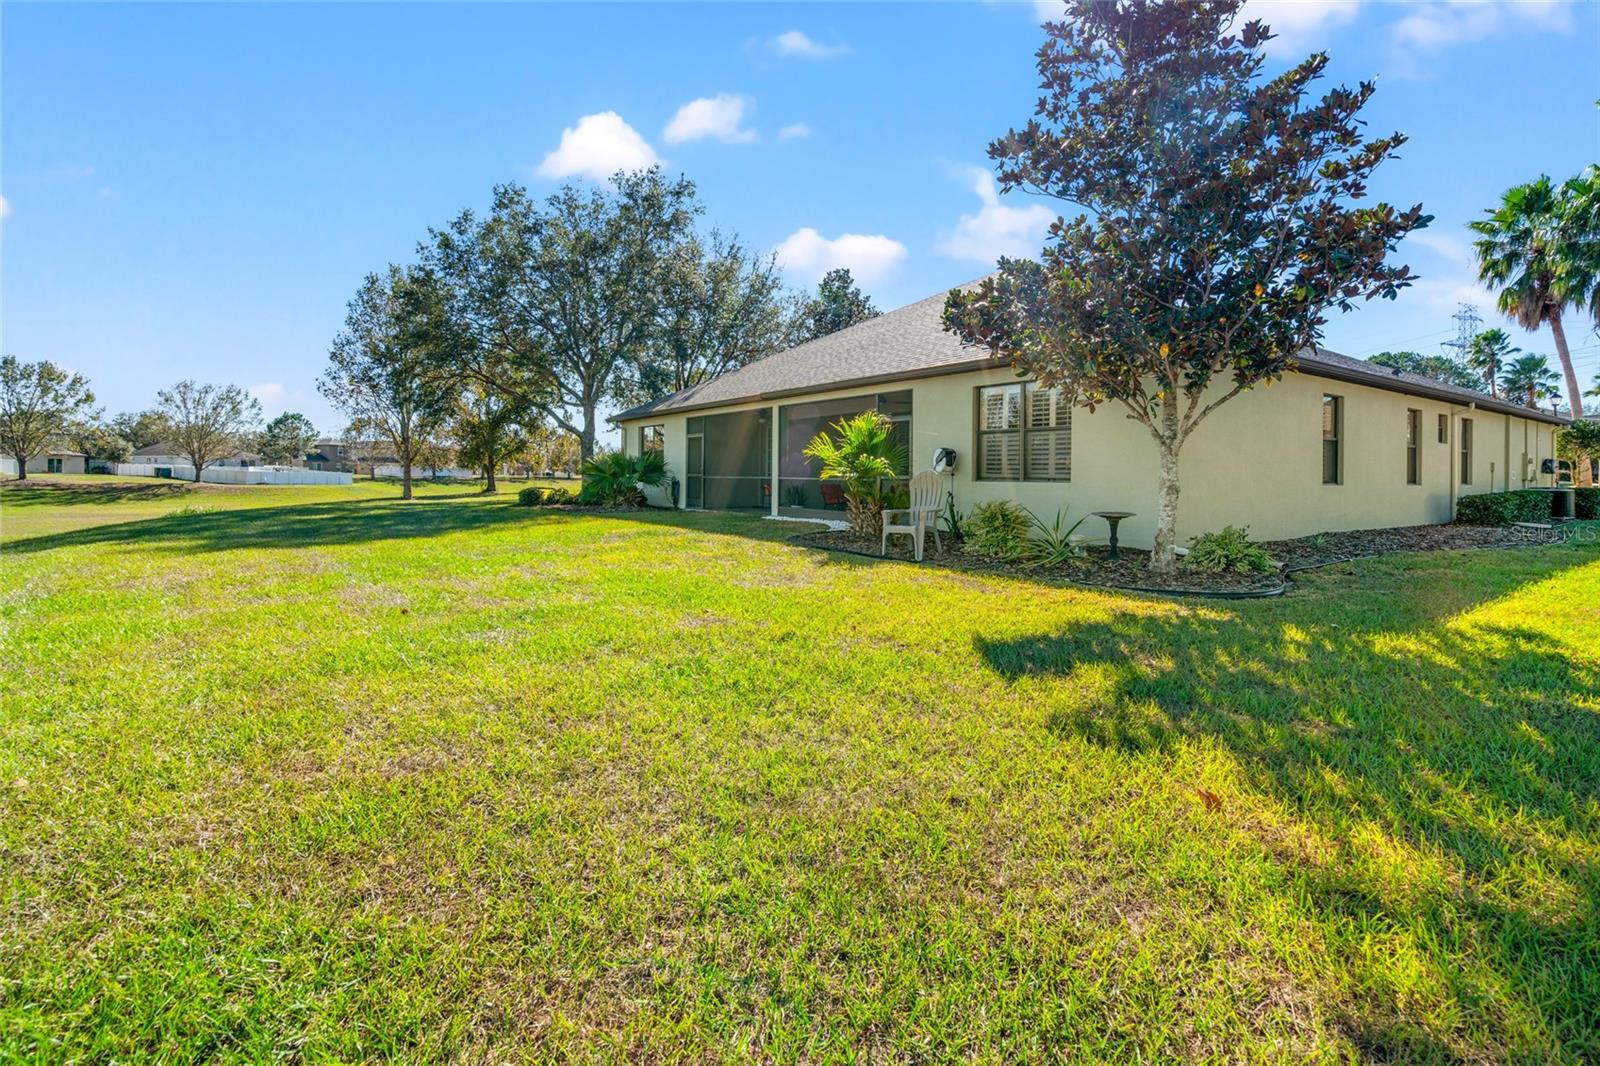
(944, 460)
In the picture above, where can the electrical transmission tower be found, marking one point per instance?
(1468, 323)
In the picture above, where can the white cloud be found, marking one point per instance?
(1436, 25)
(1446, 245)
(1300, 26)
(598, 147)
(268, 392)
(795, 43)
(997, 230)
(5, 207)
(794, 132)
(871, 258)
(717, 116)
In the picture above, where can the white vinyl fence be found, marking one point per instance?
(421, 472)
(236, 475)
(8, 466)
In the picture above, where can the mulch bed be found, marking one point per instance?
(1306, 553)
(1130, 572)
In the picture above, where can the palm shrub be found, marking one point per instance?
(860, 454)
(1228, 549)
(615, 479)
(998, 529)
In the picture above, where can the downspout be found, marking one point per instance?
(1455, 457)
(1507, 457)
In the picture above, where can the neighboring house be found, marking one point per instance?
(51, 461)
(345, 456)
(166, 454)
(1337, 444)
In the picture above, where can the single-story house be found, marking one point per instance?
(49, 461)
(165, 453)
(1339, 443)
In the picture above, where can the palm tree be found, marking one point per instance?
(1541, 247)
(862, 458)
(1530, 376)
(1488, 354)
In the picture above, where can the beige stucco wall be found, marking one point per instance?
(1256, 461)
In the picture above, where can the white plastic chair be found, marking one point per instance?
(927, 501)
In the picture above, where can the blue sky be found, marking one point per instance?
(195, 191)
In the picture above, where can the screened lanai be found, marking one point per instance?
(800, 489)
(729, 457)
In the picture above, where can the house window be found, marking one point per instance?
(652, 439)
(1466, 451)
(1332, 444)
(52, 466)
(1444, 429)
(1024, 433)
(1413, 447)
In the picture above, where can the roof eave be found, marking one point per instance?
(964, 367)
(1412, 388)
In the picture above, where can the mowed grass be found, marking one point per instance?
(313, 774)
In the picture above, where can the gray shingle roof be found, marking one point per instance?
(908, 342)
(911, 342)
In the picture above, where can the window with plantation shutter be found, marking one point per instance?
(1047, 440)
(1024, 433)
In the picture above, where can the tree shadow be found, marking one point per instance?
(73, 494)
(342, 522)
(1465, 741)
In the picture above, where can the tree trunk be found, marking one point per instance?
(488, 479)
(866, 517)
(405, 480)
(22, 468)
(586, 438)
(1163, 554)
(198, 469)
(1574, 393)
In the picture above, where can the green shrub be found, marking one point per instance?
(1053, 545)
(540, 496)
(1503, 508)
(998, 530)
(1586, 503)
(614, 479)
(1228, 549)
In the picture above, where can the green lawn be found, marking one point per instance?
(308, 773)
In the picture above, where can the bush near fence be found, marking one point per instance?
(1586, 503)
(1503, 508)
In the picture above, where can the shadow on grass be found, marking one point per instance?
(32, 493)
(1462, 739)
(343, 522)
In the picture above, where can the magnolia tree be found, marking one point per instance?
(38, 401)
(1217, 220)
(208, 422)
